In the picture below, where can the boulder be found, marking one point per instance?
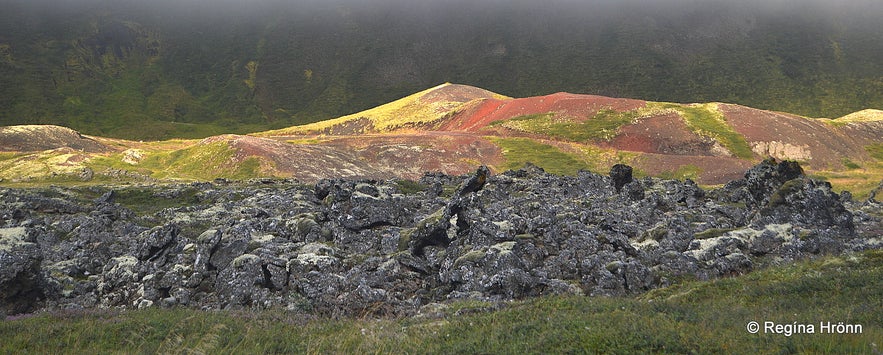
(620, 175)
(21, 284)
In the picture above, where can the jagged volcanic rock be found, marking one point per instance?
(355, 247)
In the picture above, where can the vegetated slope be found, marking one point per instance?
(142, 71)
(713, 142)
(868, 115)
(309, 158)
(419, 109)
(577, 107)
(453, 128)
(363, 156)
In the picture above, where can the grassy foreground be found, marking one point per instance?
(691, 317)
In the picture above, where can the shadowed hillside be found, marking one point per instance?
(156, 70)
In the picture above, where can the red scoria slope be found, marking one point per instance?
(482, 113)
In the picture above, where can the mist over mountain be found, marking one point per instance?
(194, 68)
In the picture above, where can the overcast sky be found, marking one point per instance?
(711, 15)
(858, 7)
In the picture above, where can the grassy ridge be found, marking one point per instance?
(563, 159)
(876, 151)
(706, 120)
(869, 115)
(601, 127)
(519, 151)
(197, 162)
(682, 172)
(409, 110)
(859, 178)
(690, 317)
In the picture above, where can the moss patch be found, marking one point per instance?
(876, 151)
(146, 200)
(849, 164)
(197, 162)
(788, 188)
(683, 172)
(707, 121)
(602, 127)
(520, 151)
(409, 187)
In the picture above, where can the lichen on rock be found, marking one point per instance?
(356, 247)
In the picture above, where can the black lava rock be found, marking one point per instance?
(356, 247)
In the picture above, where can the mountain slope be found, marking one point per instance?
(419, 109)
(164, 69)
(454, 128)
(868, 115)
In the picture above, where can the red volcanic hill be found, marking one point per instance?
(481, 113)
(711, 142)
(454, 128)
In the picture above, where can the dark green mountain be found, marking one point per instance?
(194, 68)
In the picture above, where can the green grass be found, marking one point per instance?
(564, 159)
(876, 151)
(868, 115)
(305, 141)
(858, 183)
(8, 155)
(197, 162)
(519, 151)
(689, 317)
(602, 127)
(705, 120)
(167, 160)
(862, 179)
(144, 201)
(201, 162)
(683, 172)
(849, 164)
(409, 187)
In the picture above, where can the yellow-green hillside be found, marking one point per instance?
(424, 107)
(869, 115)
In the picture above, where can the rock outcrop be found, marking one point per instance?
(357, 247)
